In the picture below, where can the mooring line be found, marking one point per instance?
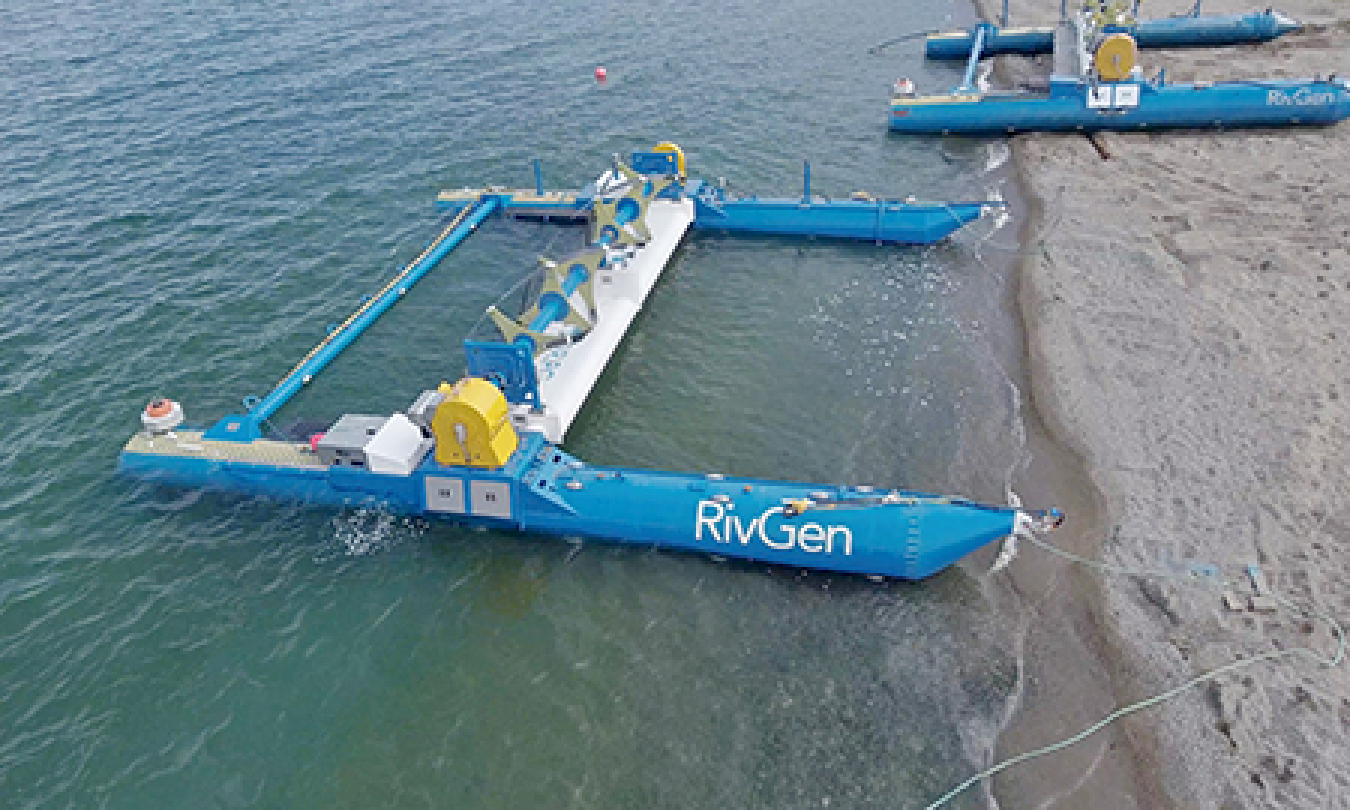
(1253, 571)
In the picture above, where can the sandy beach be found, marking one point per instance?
(1184, 298)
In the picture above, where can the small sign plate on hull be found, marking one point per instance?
(445, 495)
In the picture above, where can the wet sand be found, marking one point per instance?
(1185, 303)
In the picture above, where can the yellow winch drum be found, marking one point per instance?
(472, 425)
(1115, 57)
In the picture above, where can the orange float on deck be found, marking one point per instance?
(162, 415)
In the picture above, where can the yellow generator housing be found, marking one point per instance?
(1116, 57)
(472, 425)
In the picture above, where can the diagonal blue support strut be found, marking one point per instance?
(249, 427)
(968, 80)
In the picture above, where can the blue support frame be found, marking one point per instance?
(248, 427)
(509, 366)
(982, 31)
(650, 163)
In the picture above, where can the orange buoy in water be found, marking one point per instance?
(601, 74)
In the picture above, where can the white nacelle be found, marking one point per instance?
(397, 447)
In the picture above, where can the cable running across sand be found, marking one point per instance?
(1307, 652)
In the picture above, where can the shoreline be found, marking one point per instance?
(1179, 305)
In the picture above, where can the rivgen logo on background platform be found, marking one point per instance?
(1302, 97)
(770, 529)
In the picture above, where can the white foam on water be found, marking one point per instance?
(366, 531)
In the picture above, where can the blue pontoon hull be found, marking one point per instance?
(1169, 32)
(543, 489)
(875, 220)
(1270, 102)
